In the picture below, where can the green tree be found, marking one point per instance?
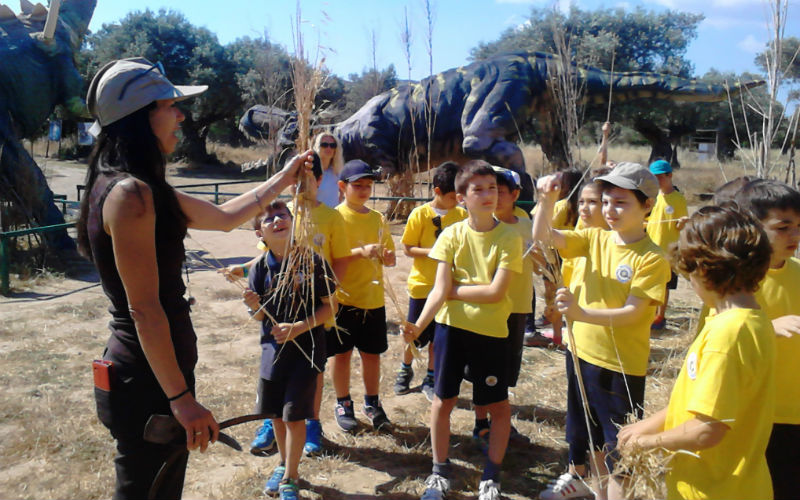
(637, 40)
(190, 55)
(367, 85)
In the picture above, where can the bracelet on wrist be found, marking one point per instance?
(179, 395)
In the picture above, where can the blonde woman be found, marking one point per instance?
(329, 149)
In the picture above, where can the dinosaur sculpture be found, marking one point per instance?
(37, 72)
(479, 111)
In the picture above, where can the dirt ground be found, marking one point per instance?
(53, 446)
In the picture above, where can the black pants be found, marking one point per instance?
(134, 396)
(138, 462)
(783, 458)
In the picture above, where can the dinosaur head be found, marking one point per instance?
(75, 16)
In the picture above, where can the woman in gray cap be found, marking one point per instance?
(132, 225)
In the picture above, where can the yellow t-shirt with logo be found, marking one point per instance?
(327, 233)
(728, 375)
(779, 296)
(521, 287)
(475, 257)
(421, 232)
(362, 284)
(612, 272)
(667, 207)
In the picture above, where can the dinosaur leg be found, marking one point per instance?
(22, 175)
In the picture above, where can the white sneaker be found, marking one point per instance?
(566, 486)
(436, 487)
(489, 490)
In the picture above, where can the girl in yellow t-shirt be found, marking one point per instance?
(721, 407)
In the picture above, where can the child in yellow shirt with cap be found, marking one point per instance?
(610, 313)
(721, 407)
(663, 224)
(361, 320)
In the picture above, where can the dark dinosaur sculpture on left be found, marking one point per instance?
(37, 73)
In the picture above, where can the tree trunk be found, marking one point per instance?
(193, 145)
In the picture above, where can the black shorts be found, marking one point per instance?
(414, 310)
(672, 284)
(290, 397)
(516, 334)
(783, 458)
(456, 350)
(363, 329)
(608, 404)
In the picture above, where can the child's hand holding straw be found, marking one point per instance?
(251, 299)
(283, 332)
(410, 332)
(566, 304)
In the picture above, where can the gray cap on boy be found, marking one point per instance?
(125, 86)
(629, 175)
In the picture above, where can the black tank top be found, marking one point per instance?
(123, 346)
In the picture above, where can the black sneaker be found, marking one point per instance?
(402, 384)
(377, 416)
(346, 416)
(427, 387)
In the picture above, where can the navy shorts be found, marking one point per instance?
(516, 334)
(486, 358)
(672, 284)
(363, 329)
(290, 397)
(608, 404)
(414, 310)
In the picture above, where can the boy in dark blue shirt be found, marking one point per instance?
(292, 304)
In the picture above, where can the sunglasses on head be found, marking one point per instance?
(157, 65)
(437, 221)
(331, 145)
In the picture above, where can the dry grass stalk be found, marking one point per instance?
(552, 271)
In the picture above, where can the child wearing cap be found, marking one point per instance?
(663, 224)
(610, 314)
(424, 226)
(288, 378)
(361, 321)
(477, 258)
(721, 407)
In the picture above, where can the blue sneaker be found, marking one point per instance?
(265, 439)
(288, 490)
(313, 438)
(273, 485)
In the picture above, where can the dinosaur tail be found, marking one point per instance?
(639, 85)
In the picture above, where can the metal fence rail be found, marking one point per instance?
(7, 236)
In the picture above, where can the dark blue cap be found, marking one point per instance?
(357, 169)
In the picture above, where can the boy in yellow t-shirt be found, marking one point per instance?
(477, 259)
(777, 207)
(721, 407)
(624, 279)
(424, 225)
(520, 291)
(361, 320)
(663, 224)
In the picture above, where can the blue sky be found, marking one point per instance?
(729, 37)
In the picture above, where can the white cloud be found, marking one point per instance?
(750, 45)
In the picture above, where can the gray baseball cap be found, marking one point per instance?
(629, 175)
(127, 85)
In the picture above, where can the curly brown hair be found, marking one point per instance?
(727, 248)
